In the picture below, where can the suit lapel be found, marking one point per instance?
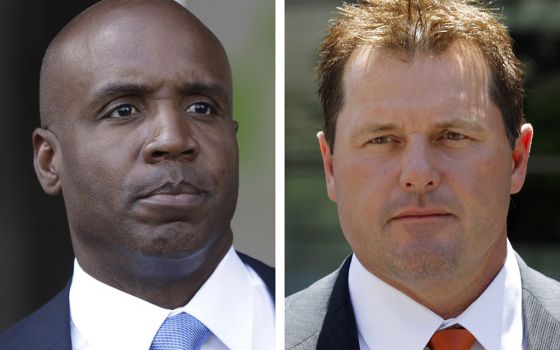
(54, 328)
(540, 297)
(48, 328)
(265, 272)
(541, 330)
(339, 329)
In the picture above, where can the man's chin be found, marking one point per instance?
(424, 262)
(169, 263)
(174, 243)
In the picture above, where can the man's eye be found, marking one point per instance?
(382, 140)
(454, 136)
(200, 108)
(123, 111)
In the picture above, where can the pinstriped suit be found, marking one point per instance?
(321, 316)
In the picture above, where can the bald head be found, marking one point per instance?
(113, 28)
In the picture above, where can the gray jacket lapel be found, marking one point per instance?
(321, 316)
(339, 329)
(541, 309)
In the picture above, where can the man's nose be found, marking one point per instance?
(171, 138)
(419, 171)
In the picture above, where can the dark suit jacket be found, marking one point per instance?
(321, 316)
(49, 327)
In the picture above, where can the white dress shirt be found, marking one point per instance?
(388, 319)
(233, 303)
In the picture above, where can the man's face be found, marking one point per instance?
(422, 169)
(148, 158)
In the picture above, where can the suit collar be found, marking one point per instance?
(339, 329)
(265, 272)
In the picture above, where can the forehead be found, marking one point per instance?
(384, 88)
(378, 75)
(145, 48)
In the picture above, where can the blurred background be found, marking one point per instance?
(314, 243)
(35, 250)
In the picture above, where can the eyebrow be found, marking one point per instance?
(120, 89)
(112, 90)
(216, 90)
(374, 127)
(471, 124)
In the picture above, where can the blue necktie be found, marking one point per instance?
(180, 332)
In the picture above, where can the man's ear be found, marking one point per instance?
(520, 157)
(45, 159)
(327, 165)
(236, 124)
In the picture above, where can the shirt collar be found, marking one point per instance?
(496, 317)
(108, 318)
(224, 300)
(384, 314)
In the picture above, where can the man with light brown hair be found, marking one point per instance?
(424, 143)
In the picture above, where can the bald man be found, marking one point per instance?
(137, 134)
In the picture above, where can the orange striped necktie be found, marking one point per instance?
(451, 339)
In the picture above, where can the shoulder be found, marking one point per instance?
(541, 309)
(540, 288)
(255, 264)
(265, 272)
(46, 328)
(306, 312)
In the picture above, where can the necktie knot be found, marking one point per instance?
(181, 331)
(451, 339)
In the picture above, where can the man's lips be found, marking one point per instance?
(421, 214)
(178, 195)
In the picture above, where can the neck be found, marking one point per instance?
(166, 282)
